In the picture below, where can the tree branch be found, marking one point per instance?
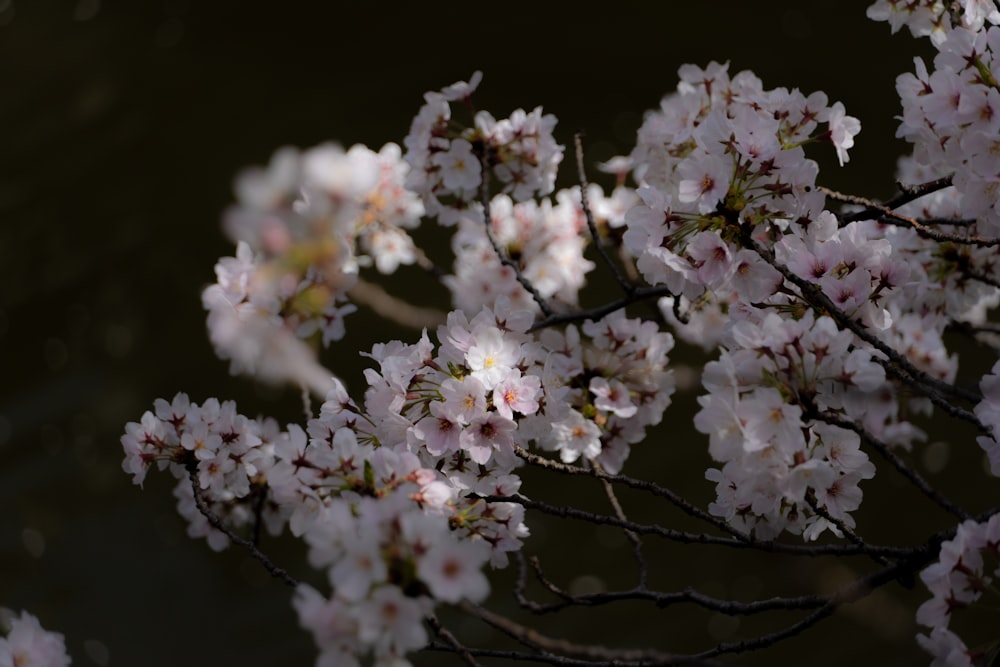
(901, 367)
(626, 286)
(906, 471)
(218, 524)
(484, 194)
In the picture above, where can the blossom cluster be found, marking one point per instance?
(461, 410)
(373, 517)
(383, 528)
(819, 318)
(389, 496)
(958, 580)
(544, 241)
(934, 18)
(603, 389)
(227, 453)
(721, 167)
(447, 158)
(28, 644)
(781, 463)
(951, 115)
(304, 226)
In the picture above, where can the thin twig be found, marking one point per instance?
(626, 286)
(907, 194)
(484, 193)
(536, 565)
(954, 222)
(684, 537)
(901, 367)
(906, 471)
(873, 207)
(638, 294)
(842, 527)
(560, 661)
(452, 641)
(534, 639)
(521, 583)
(855, 591)
(219, 525)
(662, 600)
(640, 562)
(643, 485)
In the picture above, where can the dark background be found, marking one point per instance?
(121, 127)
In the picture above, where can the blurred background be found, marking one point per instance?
(122, 124)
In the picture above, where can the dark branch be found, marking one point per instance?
(907, 194)
(640, 562)
(684, 537)
(219, 525)
(626, 286)
(642, 485)
(484, 194)
(637, 294)
(906, 471)
(900, 366)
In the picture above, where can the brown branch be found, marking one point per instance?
(649, 487)
(684, 537)
(662, 600)
(906, 471)
(393, 308)
(484, 194)
(879, 211)
(901, 367)
(609, 491)
(626, 286)
(907, 194)
(637, 294)
(536, 640)
(452, 641)
(544, 581)
(219, 525)
(860, 588)
(559, 661)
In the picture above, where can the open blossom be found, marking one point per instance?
(460, 167)
(843, 129)
(450, 571)
(27, 644)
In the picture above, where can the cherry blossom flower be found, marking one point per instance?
(27, 644)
